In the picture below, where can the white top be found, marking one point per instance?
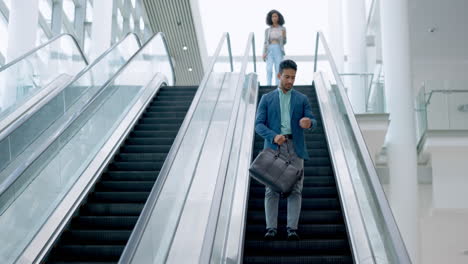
(276, 34)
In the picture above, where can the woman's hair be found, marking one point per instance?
(280, 20)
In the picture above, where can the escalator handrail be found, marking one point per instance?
(9, 128)
(388, 218)
(209, 237)
(22, 57)
(13, 177)
(145, 216)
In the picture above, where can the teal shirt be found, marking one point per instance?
(285, 106)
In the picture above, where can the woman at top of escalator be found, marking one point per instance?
(273, 47)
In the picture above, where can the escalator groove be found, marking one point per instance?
(321, 225)
(102, 225)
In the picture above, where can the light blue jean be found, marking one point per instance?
(274, 57)
(294, 199)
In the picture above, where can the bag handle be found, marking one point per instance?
(287, 150)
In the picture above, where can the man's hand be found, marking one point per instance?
(280, 139)
(305, 122)
(264, 57)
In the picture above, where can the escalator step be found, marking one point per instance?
(309, 181)
(83, 262)
(171, 103)
(311, 231)
(292, 248)
(141, 157)
(165, 109)
(96, 237)
(157, 141)
(125, 186)
(172, 98)
(317, 170)
(104, 222)
(323, 152)
(307, 217)
(113, 209)
(118, 197)
(88, 252)
(157, 127)
(145, 149)
(318, 161)
(298, 259)
(130, 175)
(173, 114)
(310, 144)
(307, 204)
(136, 165)
(310, 192)
(162, 120)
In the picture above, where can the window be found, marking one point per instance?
(132, 23)
(41, 37)
(69, 9)
(46, 10)
(142, 24)
(89, 11)
(87, 44)
(119, 19)
(3, 36)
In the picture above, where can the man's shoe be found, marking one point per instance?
(270, 234)
(292, 234)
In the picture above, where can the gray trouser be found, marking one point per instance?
(294, 199)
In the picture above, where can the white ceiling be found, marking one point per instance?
(174, 18)
(449, 42)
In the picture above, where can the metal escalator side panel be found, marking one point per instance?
(230, 233)
(384, 238)
(356, 228)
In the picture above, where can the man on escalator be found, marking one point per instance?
(282, 116)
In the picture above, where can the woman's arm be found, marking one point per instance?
(284, 36)
(265, 45)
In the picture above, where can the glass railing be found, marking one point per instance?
(372, 230)
(371, 85)
(442, 105)
(225, 225)
(46, 179)
(375, 100)
(358, 85)
(32, 72)
(155, 230)
(20, 134)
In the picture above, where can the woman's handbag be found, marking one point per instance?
(275, 170)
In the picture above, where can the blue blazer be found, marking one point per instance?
(268, 120)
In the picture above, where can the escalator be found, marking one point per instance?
(100, 229)
(321, 226)
(118, 117)
(98, 202)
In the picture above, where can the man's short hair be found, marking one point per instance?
(287, 64)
